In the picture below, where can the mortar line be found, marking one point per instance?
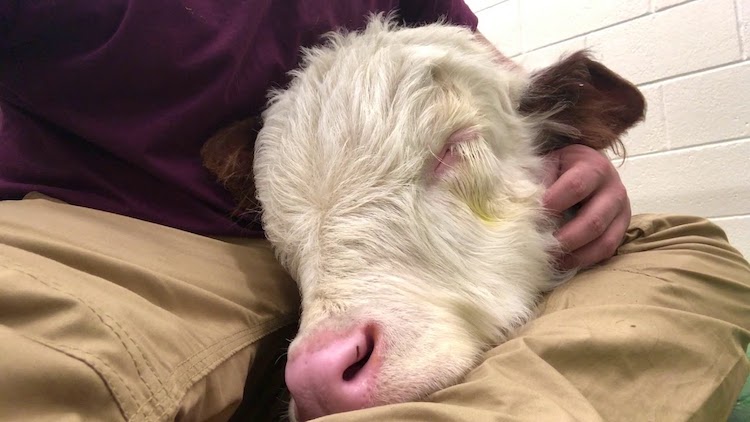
(731, 141)
(738, 27)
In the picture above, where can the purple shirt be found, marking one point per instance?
(106, 103)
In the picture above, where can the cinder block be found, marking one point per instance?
(546, 56)
(500, 24)
(708, 107)
(545, 22)
(679, 40)
(687, 55)
(709, 180)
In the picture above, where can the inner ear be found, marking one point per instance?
(581, 101)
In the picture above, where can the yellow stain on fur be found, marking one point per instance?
(479, 207)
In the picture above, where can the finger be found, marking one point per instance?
(593, 219)
(600, 249)
(572, 187)
(550, 168)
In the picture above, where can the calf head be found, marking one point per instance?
(400, 181)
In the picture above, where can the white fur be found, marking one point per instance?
(447, 266)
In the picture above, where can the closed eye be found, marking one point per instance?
(450, 155)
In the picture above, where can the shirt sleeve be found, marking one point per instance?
(457, 12)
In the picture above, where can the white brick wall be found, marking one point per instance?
(691, 59)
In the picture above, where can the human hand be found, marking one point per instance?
(580, 175)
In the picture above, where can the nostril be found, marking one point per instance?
(335, 371)
(362, 356)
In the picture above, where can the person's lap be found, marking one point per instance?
(105, 316)
(657, 333)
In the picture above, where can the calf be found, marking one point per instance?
(400, 179)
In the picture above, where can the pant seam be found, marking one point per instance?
(183, 387)
(247, 336)
(70, 352)
(99, 313)
(165, 392)
(101, 316)
(232, 343)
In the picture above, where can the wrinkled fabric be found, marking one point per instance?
(111, 318)
(657, 333)
(108, 318)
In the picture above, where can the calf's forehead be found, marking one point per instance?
(355, 128)
(393, 102)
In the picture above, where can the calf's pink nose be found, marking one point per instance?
(332, 373)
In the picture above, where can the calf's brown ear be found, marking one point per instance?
(581, 101)
(229, 156)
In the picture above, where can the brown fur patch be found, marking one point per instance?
(229, 156)
(584, 103)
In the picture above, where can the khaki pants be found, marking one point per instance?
(107, 318)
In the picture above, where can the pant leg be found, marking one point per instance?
(657, 333)
(106, 318)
